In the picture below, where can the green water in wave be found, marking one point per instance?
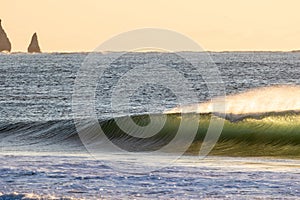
(271, 134)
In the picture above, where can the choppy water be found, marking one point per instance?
(80, 177)
(40, 86)
(36, 117)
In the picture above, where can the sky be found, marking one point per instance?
(216, 25)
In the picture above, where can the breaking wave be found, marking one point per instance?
(260, 122)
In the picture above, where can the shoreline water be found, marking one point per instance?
(81, 177)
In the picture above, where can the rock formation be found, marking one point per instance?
(4, 41)
(34, 45)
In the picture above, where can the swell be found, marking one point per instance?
(39, 135)
(266, 134)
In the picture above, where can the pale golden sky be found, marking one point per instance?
(217, 25)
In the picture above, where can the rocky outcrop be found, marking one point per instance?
(4, 41)
(34, 45)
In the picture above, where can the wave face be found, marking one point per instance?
(267, 134)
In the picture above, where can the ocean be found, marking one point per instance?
(140, 129)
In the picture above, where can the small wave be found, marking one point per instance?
(31, 196)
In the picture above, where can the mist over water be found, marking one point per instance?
(262, 100)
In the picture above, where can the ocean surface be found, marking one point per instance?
(52, 149)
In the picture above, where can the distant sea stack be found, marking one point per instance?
(34, 45)
(4, 41)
